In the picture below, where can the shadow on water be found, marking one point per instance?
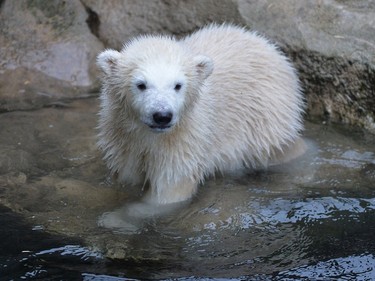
(22, 250)
(311, 219)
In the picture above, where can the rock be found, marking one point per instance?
(47, 53)
(121, 20)
(50, 167)
(12, 159)
(49, 139)
(333, 45)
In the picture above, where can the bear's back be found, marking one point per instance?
(244, 60)
(253, 90)
(231, 46)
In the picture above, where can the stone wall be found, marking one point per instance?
(48, 48)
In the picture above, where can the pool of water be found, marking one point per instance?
(311, 219)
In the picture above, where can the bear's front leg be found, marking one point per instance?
(158, 201)
(164, 192)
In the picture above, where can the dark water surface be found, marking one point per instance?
(311, 219)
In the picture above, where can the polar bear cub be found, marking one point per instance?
(176, 111)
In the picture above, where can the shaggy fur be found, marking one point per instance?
(239, 105)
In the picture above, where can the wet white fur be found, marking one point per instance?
(239, 105)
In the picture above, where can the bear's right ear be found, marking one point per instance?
(204, 65)
(107, 60)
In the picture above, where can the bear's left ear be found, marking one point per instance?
(107, 60)
(204, 66)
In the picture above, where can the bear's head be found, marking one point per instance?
(156, 79)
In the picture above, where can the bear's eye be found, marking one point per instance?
(178, 87)
(141, 86)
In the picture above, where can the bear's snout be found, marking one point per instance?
(162, 118)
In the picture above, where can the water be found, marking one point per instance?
(312, 219)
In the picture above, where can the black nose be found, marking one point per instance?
(162, 118)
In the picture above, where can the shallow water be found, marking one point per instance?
(312, 219)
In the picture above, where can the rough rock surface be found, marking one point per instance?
(333, 45)
(47, 53)
(120, 20)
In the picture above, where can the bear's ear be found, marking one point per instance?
(204, 66)
(107, 60)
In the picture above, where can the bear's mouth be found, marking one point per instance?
(160, 128)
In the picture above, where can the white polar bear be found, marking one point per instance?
(175, 111)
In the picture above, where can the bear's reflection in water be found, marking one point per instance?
(132, 217)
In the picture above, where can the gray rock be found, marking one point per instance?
(120, 20)
(332, 28)
(333, 45)
(47, 53)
